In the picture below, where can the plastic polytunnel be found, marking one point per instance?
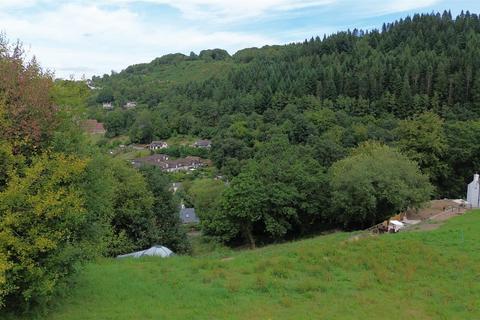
(155, 251)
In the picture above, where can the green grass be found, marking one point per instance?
(410, 275)
(132, 154)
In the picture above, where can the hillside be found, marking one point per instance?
(418, 275)
(148, 82)
(328, 94)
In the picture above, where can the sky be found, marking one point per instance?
(94, 37)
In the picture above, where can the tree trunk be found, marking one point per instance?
(249, 236)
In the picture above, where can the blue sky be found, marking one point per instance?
(96, 36)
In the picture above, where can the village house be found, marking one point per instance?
(156, 145)
(473, 192)
(162, 161)
(183, 164)
(188, 215)
(130, 105)
(107, 106)
(92, 126)
(203, 144)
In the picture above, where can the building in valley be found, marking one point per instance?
(171, 165)
(157, 145)
(203, 144)
(188, 215)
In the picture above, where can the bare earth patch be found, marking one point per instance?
(435, 214)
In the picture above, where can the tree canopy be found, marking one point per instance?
(373, 184)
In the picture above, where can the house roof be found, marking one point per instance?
(163, 161)
(159, 142)
(187, 215)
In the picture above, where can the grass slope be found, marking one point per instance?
(416, 275)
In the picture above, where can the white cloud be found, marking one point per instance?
(77, 39)
(96, 36)
(230, 10)
(9, 4)
(385, 7)
(236, 10)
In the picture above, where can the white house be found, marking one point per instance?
(156, 145)
(473, 192)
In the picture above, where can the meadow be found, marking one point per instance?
(418, 275)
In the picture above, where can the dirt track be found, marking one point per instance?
(433, 215)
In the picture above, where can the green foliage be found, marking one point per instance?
(7, 163)
(44, 229)
(400, 86)
(116, 123)
(70, 93)
(375, 183)
(282, 192)
(423, 140)
(462, 156)
(206, 195)
(169, 231)
(133, 222)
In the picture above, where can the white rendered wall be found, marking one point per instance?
(473, 192)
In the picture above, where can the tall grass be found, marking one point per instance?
(410, 275)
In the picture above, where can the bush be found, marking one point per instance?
(44, 229)
(375, 183)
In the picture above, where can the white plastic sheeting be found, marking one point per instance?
(395, 225)
(155, 251)
(473, 192)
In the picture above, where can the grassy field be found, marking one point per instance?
(410, 275)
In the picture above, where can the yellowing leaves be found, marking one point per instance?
(42, 212)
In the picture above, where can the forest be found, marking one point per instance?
(339, 132)
(412, 86)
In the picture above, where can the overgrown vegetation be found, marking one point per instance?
(340, 132)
